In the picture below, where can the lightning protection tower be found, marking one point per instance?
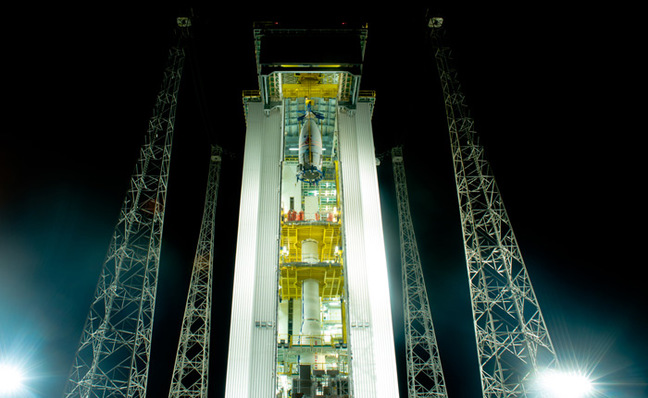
(311, 314)
(112, 359)
(513, 343)
(191, 369)
(424, 371)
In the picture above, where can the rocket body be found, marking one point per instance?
(310, 151)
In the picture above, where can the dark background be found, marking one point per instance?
(557, 99)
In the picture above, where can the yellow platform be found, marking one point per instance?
(330, 277)
(327, 235)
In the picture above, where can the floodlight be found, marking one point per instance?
(11, 379)
(564, 384)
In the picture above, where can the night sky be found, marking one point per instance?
(555, 95)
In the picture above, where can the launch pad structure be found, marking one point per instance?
(311, 311)
(310, 286)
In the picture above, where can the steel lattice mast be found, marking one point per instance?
(191, 370)
(112, 359)
(424, 371)
(512, 339)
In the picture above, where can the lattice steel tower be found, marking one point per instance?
(112, 359)
(191, 370)
(512, 339)
(424, 371)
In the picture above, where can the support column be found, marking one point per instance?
(253, 344)
(371, 334)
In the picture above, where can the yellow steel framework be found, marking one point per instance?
(327, 235)
(328, 271)
(321, 90)
(324, 85)
(330, 277)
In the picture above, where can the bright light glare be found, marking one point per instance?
(11, 379)
(565, 384)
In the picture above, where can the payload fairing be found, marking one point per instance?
(310, 147)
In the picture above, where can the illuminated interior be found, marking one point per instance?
(312, 355)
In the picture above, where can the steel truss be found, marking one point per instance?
(512, 339)
(424, 372)
(112, 359)
(191, 369)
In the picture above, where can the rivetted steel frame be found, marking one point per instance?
(513, 343)
(112, 359)
(191, 369)
(424, 371)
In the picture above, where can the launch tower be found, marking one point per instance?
(424, 373)
(513, 343)
(311, 310)
(113, 354)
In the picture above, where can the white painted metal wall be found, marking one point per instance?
(252, 345)
(371, 333)
(291, 187)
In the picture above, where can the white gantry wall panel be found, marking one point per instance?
(371, 337)
(363, 371)
(251, 359)
(264, 343)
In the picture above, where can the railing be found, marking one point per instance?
(312, 341)
(251, 93)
